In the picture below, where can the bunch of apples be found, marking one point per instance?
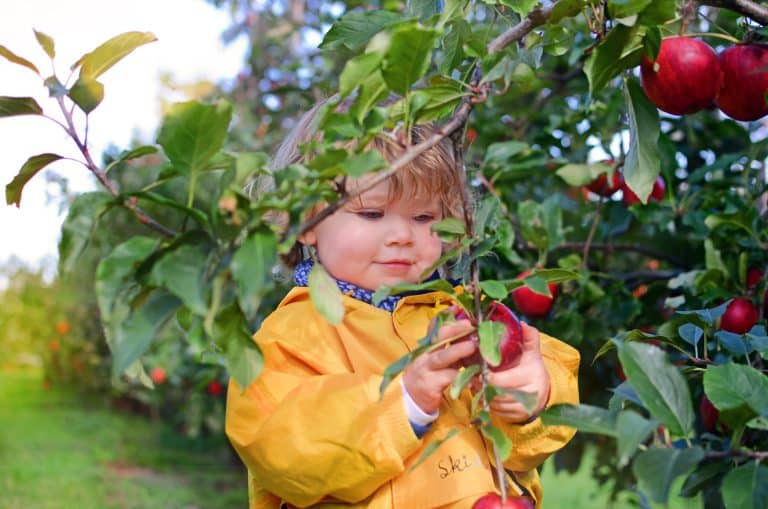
(688, 76)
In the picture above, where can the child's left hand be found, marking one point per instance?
(528, 375)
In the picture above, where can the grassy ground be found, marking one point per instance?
(59, 450)
(563, 490)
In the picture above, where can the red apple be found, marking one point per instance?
(601, 186)
(685, 78)
(158, 375)
(745, 81)
(531, 303)
(215, 388)
(739, 316)
(657, 192)
(709, 414)
(754, 275)
(493, 501)
(511, 344)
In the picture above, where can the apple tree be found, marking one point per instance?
(615, 178)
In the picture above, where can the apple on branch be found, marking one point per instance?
(493, 501)
(740, 316)
(511, 344)
(530, 303)
(745, 81)
(657, 193)
(685, 78)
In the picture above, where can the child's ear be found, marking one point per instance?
(309, 238)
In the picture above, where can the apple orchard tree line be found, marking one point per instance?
(652, 252)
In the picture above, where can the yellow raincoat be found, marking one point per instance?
(314, 432)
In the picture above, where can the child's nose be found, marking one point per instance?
(399, 231)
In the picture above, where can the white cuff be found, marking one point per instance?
(415, 414)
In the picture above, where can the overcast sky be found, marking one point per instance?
(189, 47)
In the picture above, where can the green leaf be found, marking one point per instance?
(14, 106)
(30, 168)
(251, 268)
(556, 275)
(325, 295)
(737, 220)
(82, 217)
(626, 8)
(565, 9)
(114, 271)
(642, 164)
(436, 285)
(421, 9)
(730, 386)
(656, 469)
(746, 487)
(355, 29)
(55, 88)
(521, 7)
(691, 333)
(490, 334)
(193, 132)
(603, 64)
(135, 153)
(537, 285)
(659, 385)
(46, 42)
(16, 59)
(133, 335)
(658, 12)
(98, 61)
(365, 162)
(408, 57)
(581, 174)
(704, 475)
(494, 289)
(357, 70)
(182, 272)
(633, 430)
(462, 379)
(586, 418)
(499, 439)
(244, 359)
(87, 93)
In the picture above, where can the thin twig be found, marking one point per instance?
(102, 177)
(746, 8)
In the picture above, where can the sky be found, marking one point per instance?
(189, 47)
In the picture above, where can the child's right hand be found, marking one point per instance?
(431, 373)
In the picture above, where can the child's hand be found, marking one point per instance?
(431, 373)
(528, 375)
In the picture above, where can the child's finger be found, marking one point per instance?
(450, 355)
(531, 338)
(453, 329)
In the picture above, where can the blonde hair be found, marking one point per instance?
(434, 172)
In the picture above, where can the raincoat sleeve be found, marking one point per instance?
(534, 442)
(308, 431)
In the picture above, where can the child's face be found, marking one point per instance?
(374, 241)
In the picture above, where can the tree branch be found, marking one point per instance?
(746, 8)
(538, 16)
(102, 177)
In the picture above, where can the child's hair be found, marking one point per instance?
(434, 172)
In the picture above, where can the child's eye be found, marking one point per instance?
(424, 218)
(370, 214)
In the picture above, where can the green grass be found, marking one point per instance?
(59, 449)
(579, 490)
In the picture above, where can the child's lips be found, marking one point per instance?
(396, 265)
